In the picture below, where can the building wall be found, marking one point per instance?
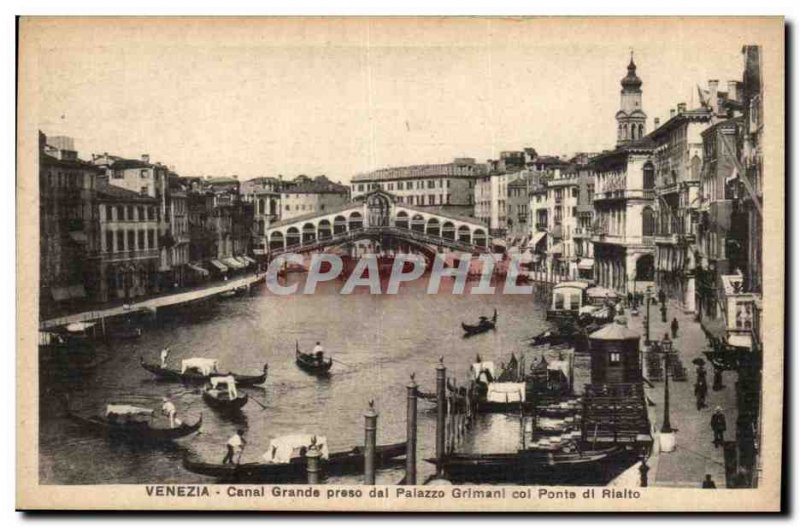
(129, 250)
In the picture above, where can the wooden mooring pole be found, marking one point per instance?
(441, 409)
(411, 432)
(370, 435)
(312, 464)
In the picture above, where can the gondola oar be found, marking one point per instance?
(262, 405)
(342, 363)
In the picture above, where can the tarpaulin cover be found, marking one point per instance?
(283, 449)
(506, 392)
(205, 366)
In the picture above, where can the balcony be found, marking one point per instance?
(121, 256)
(622, 194)
(581, 232)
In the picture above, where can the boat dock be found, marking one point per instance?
(154, 303)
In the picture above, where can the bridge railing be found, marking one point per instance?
(355, 234)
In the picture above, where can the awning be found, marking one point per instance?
(586, 263)
(247, 258)
(242, 261)
(77, 291)
(78, 236)
(260, 252)
(62, 293)
(219, 265)
(199, 270)
(558, 248)
(537, 238)
(233, 263)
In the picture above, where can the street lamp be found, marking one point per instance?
(667, 436)
(647, 294)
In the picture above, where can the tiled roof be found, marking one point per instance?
(122, 164)
(46, 159)
(106, 192)
(418, 171)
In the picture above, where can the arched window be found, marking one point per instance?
(641, 131)
(648, 176)
(648, 222)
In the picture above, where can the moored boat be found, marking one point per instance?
(133, 423)
(538, 466)
(197, 376)
(291, 466)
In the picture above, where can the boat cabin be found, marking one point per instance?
(222, 385)
(126, 413)
(200, 365)
(568, 298)
(284, 449)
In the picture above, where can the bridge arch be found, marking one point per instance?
(418, 223)
(448, 230)
(292, 236)
(464, 234)
(355, 220)
(276, 241)
(432, 227)
(324, 229)
(309, 233)
(401, 219)
(339, 224)
(479, 238)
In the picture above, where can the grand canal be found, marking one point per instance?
(377, 340)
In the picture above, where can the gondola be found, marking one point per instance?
(136, 431)
(225, 399)
(309, 363)
(338, 464)
(196, 377)
(535, 466)
(483, 326)
(125, 333)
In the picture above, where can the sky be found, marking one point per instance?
(263, 97)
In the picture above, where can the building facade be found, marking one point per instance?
(448, 186)
(304, 195)
(264, 193)
(129, 247)
(68, 226)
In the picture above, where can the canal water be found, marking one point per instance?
(376, 340)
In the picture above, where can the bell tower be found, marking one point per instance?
(631, 119)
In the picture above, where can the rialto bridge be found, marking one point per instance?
(377, 216)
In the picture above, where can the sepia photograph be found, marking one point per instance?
(408, 264)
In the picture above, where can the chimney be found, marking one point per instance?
(656, 122)
(681, 107)
(732, 89)
(713, 96)
(146, 158)
(671, 113)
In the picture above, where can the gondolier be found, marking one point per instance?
(319, 353)
(164, 356)
(168, 409)
(235, 444)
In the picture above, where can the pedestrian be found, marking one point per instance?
(643, 470)
(663, 312)
(235, 443)
(708, 483)
(674, 327)
(717, 380)
(701, 373)
(700, 392)
(662, 297)
(718, 426)
(630, 299)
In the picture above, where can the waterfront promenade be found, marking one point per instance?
(153, 303)
(694, 455)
